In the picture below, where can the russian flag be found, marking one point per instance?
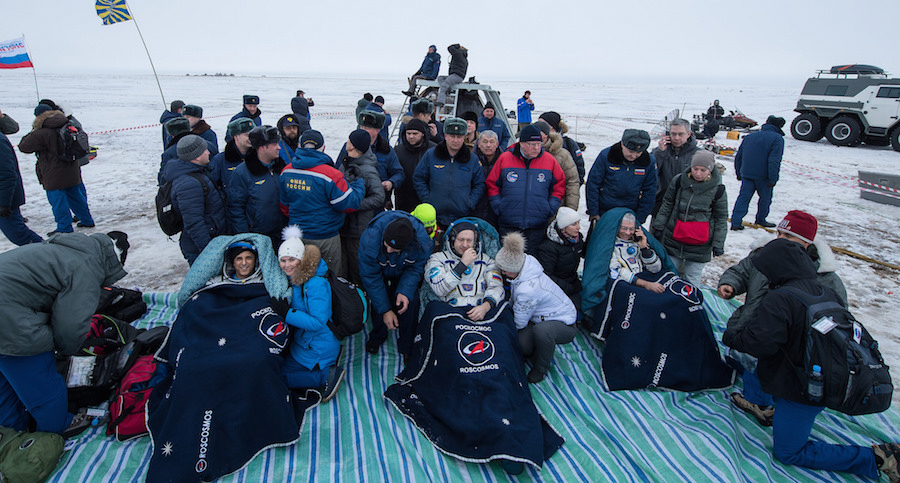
(14, 55)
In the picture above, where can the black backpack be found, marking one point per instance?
(92, 373)
(169, 218)
(121, 303)
(855, 378)
(74, 143)
(349, 309)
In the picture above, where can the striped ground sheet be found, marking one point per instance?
(620, 436)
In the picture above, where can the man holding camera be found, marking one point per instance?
(673, 156)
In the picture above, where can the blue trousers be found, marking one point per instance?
(753, 391)
(64, 202)
(299, 377)
(15, 229)
(32, 383)
(742, 204)
(792, 446)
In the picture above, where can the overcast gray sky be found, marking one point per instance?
(779, 42)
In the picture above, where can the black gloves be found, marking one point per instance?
(5, 211)
(352, 173)
(280, 306)
(718, 252)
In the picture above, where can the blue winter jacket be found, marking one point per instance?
(257, 120)
(376, 264)
(204, 219)
(12, 194)
(523, 110)
(203, 130)
(614, 182)
(167, 116)
(431, 66)
(389, 168)
(222, 166)
(310, 312)
(498, 126)
(253, 201)
(759, 157)
(386, 129)
(316, 196)
(454, 186)
(172, 153)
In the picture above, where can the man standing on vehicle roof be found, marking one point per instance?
(757, 165)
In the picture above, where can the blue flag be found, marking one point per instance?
(113, 11)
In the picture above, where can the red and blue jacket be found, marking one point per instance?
(525, 193)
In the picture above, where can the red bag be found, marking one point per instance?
(126, 413)
(691, 232)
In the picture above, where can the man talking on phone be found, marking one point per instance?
(673, 156)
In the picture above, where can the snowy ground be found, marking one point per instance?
(121, 181)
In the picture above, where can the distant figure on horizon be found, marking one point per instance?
(175, 110)
(250, 110)
(523, 111)
(300, 106)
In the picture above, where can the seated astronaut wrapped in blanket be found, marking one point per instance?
(656, 331)
(223, 399)
(464, 387)
(466, 360)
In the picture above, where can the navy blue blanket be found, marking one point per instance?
(659, 340)
(464, 387)
(224, 399)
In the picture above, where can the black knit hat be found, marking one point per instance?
(176, 105)
(552, 118)
(399, 233)
(469, 116)
(378, 100)
(488, 106)
(360, 140)
(530, 133)
(417, 125)
(543, 126)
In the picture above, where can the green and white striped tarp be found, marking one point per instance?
(610, 436)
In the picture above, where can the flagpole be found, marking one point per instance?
(33, 71)
(133, 19)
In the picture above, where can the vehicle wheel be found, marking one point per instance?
(895, 139)
(807, 127)
(844, 131)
